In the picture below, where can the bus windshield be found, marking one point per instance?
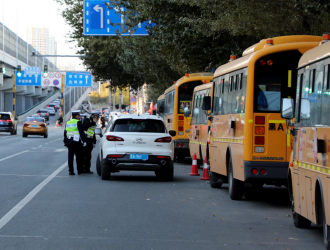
(185, 95)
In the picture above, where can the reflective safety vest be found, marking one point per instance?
(90, 131)
(72, 128)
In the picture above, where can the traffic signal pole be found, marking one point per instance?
(14, 94)
(62, 95)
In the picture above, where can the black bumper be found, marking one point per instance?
(275, 171)
(125, 163)
(183, 148)
(6, 129)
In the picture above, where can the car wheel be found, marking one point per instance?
(12, 132)
(235, 186)
(214, 180)
(45, 135)
(105, 173)
(298, 220)
(24, 135)
(98, 165)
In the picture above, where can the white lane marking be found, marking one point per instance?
(60, 150)
(11, 214)
(13, 155)
(31, 175)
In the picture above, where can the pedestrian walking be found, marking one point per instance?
(75, 140)
(89, 126)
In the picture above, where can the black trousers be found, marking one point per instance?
(75, 150)
(87, 151)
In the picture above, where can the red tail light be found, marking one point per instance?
(38, 113)
(114, 156)
(259, 140)
(47, 113)
(164, 139)
(180, 129)
(163, 157)
(25, 125)
(263, 171)
(48, 106)
(5, 121)
(254, 171)
(55, 106)
(42, 125)
(181, 118)
(182, 145)
(260, 120)
(178, 144)
(114, 138)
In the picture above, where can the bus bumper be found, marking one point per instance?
(181, 147)
(276, 172)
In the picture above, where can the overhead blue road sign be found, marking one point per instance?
(98, 19)
(28, 79)
(32, 70)
(78, 80)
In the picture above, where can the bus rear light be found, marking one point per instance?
(263, 171)
(174, 82)
(259, 149)
(254, 171)
(186, 75)
(181, 123)
(260, 120)
(270, 63)
(182, 145)
(326, 37)
(262, 62)
(178, 145)
(180, 129)
(260, 130)
(259, 140)
(204, 81)
(181, 118)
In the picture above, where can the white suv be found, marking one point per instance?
(136, 142)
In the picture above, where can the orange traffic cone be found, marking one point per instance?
(205, 171)
(194, 171)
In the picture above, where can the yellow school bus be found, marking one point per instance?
(200, 123)
(177, 98)
(309, 171)
(248, 142)
(160, 105)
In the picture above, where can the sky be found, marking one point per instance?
(19, 15)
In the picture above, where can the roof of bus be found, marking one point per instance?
(315, 54)
(203, 86)
(192, 77)
(161, 97)
(304, 42)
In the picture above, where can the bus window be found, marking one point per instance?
(169, 102)
(185, 95)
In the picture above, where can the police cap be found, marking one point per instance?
(95, 113)
(75, 112)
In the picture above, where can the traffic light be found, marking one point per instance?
(45, 70)
(19, 70)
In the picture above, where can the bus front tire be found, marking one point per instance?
(236, 188)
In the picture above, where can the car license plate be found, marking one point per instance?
(138, 156)
(34, 126)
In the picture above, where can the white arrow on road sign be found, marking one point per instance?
(97, 8)
(86, 79)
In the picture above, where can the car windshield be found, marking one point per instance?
(139, 125)
(42, 111)
(33, 119)
(4, 117)
(50, 109)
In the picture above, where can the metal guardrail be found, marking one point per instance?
(47, 97)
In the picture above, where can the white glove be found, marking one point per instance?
(94, 145)
(84, 145)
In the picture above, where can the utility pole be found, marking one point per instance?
(120, 100)
(110, 95)
(114, 98)
(14, 93)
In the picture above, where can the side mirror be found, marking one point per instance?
(186, 112)
(98, 131)
(172, 133)
(206, 103)
(161, 109)
(305, 110)
(287, 107)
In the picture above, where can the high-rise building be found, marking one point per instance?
(39, 38)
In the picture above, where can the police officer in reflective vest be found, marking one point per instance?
(89, 126)
(74, 139)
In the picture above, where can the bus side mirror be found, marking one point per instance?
(186, 112)
(287, 107)
(161, 110)
(305, 110)
(206, 103)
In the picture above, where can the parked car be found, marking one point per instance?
(8, 123)
(43, 113)
(53, 105)
(35, 126)
(136, 142)
(51, 111)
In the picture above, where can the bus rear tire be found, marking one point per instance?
(298, 220)
(236, 188)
